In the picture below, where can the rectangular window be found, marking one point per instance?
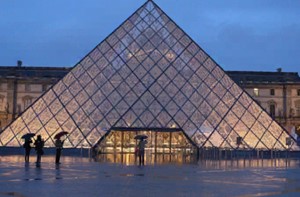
(27, 87)
(44, 87)
(272, 92)
(256, 92)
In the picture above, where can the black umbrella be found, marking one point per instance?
(27, 136)
(60, 134)
(140, 137)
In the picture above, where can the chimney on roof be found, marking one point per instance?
(279, 70)
(19, 63)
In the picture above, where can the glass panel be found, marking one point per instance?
(248, 119)
(198, 138)
(87, 61)
(196, 99)
(45, 116)
(147, 118)
(226, 81)
(79, 116)
(96, 116)
(231, 119)
(254, 109)
(190, 128)
(268, 140)
(209, 64)
(84, 79)
(205, 109)
(214, 119)
(105, 107)
(275, 130)
(206, 128)
(94, 55)
(241, 129)
(77, 71)
(72, 106)
(221, 108)
(197, 118)
(68, 79)
(228, 99)
(245, 100)
(164, 118)
(212, 99)
(55, 106)
(201, 56)
(258, 129)
(203, 90)
(188, 108)
(181, 118)
(81, 97)
(49, 97)
(51, 127)
(218, 72)
(238, 109)
(86, 126)
(235, 90)
(59, 88)
(219, 90)
(265, 119)
(66, 97)
(28, 115)
(9, 134)
(251, 140)
(75, 88)
(62, 116)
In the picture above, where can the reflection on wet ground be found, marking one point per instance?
(78, 176)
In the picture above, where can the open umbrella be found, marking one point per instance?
(27, 136)
(140, 137)
(60, 134)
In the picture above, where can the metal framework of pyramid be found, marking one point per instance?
(148, 74)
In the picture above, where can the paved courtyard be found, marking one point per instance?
(78, 176)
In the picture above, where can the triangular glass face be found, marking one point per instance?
(148, 74)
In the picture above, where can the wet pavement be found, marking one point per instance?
(79, 176)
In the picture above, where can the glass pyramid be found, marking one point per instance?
(148, 74)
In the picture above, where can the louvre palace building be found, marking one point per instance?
(149, 77)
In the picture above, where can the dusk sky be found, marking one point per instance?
(257, 35)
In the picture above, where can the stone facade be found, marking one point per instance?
(20, 86)
(277, 92)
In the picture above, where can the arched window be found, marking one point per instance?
(2, 103)
(272, 108)
(297, 106)
(27, 100)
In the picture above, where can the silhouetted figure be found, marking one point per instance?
(141, 151)
(39, 145)
(27, 147)
(59, 146)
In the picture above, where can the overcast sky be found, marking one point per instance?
(258, 35)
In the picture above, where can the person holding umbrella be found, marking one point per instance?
(59, 145)
(27, 137)
(39, 145)
(141, 148)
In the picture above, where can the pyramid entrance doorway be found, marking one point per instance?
(163, 145)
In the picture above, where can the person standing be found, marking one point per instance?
(39, 145)
(141, 152)
(59, 146)
(27, 147)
